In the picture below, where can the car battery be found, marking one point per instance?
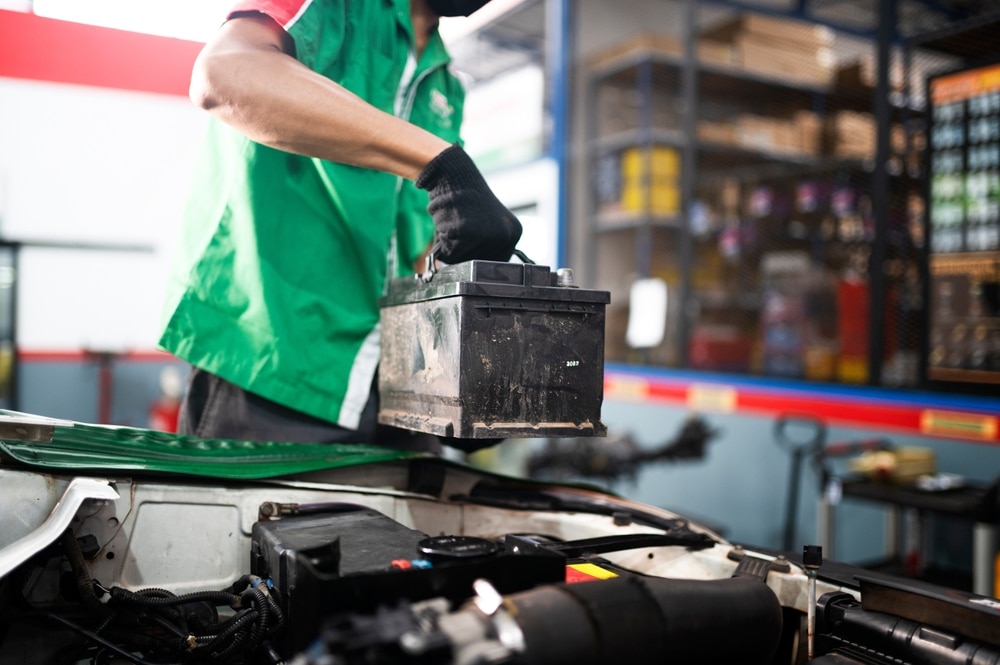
(485, 349)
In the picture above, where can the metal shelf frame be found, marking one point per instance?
(893, 27)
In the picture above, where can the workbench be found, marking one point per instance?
(976, 503)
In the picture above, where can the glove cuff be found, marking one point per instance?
(453, 166)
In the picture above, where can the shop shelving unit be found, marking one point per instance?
(725, 268)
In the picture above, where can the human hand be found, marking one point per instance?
(469, 220)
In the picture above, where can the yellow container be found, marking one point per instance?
(664, 199)
(664, 163)
(852, 370)
(821, 362)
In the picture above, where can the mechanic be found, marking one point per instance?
(332, 163)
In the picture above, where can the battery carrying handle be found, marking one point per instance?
(430, 266)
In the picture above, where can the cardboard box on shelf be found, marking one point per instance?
(772, 29)
(729, 197)
(716, 52)
(754, 131)
(640, 44)
(767, 134)
(851, 134)
(621, 108)
(862, 73)
(854, 134)
(789, 61)
(791, 50)
(613, 109)
(808, 131)
(717, 132)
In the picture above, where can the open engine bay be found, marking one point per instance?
(121, 546)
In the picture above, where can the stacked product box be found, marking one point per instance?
(781, 48)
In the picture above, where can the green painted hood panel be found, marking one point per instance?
(61, 444)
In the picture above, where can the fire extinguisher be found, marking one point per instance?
(163, 412)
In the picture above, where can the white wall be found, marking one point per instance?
(503, 131)
(533, 186)
(94, 167)
(504, 118)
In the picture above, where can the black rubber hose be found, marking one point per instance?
(250, 629)
(279, 617)
(236, 646)
(155, 592)
(84, 582)
(238, 586)
(637, 620)
(170, 613)
(168, 625)
(258, 631)
(233, 640)
(238, 623)
(119, 594)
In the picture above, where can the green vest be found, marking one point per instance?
(282, 258)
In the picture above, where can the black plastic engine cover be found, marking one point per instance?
(357, 559)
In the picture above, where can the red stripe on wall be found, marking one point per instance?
(982, 426)
(76, 356)
(43, 49)
(832, 410)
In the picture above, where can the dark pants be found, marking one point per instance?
(214, 408)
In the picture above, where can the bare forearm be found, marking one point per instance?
(279, 102)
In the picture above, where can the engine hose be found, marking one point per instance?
(84, 582)
(258, 617)
(155, 592)
(236, 638)
(271, 619)
(264, 619)
(258, 629)
(216, 597)
(224, 628)
(236, 646)
(237, 624)
(279, 616)
(239, 585)
(637, 620)
(228, 623)
(276, 618)
(168, 625)
(169, 612)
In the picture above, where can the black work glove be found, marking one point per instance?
(469, 220)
